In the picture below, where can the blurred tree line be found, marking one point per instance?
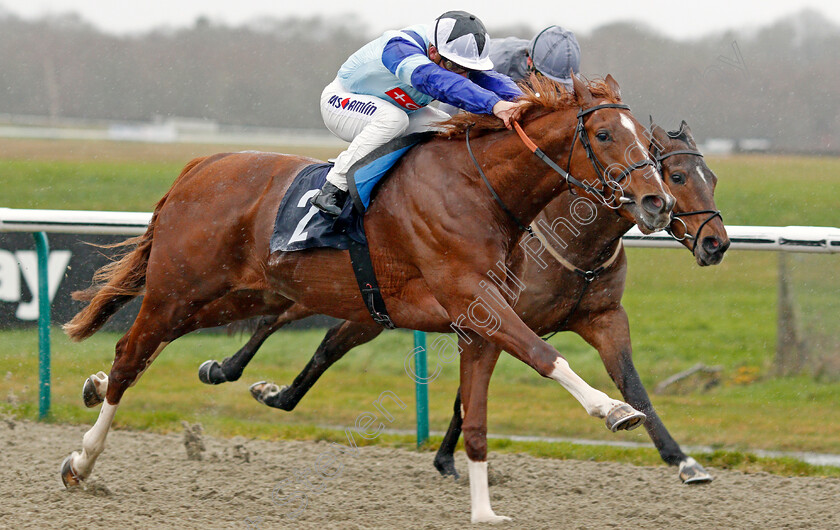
(780, 82)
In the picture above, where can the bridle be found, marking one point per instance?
(580, 132)
(659, 157)
(600, 169)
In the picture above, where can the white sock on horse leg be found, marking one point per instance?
(594, 401)
(93, 442)
(480, 510)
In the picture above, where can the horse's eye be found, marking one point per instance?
(677, 178)
(602, 136)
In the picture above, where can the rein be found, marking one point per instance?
(677, 216)
(490, 187)
(550, 163)
(580, 132)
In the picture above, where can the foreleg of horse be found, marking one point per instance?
(499, 323)
(340, 339)
(478, 359)
(135, 352)
(445, 456)
(609, 333)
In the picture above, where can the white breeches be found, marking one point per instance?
(367, 122)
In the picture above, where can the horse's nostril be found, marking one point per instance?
(711, 244)
(653, 204)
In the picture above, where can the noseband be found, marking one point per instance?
(654, 149)
(580, 132)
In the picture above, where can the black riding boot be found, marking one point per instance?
(330, 199)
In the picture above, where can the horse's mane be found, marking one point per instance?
(540, 96)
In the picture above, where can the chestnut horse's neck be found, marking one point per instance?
(524, 183)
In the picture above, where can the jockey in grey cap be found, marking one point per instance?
(554, 52)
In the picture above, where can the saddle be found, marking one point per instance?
(299, 225)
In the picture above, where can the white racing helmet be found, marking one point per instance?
(463, 39)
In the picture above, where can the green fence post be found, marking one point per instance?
(43, 247)
(421, 388)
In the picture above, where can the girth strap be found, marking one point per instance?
(368, 286)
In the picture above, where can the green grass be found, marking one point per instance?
(778, 191)
(680, 315)
(63, 185)
(123, 176)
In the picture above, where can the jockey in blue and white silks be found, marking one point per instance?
(382, 91)
(395, 67)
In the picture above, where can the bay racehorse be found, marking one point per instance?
(584, 296)
(440, 226)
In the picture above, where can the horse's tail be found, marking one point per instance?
(120, 281)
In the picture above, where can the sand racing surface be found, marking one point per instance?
(145, 480)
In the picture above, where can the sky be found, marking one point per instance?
(678, 19)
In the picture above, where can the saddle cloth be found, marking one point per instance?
(299, 225)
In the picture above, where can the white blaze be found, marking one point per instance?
(628, 124)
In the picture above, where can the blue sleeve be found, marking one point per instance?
(499, 84)
(400, 55)
(453, 89)
(408, 61)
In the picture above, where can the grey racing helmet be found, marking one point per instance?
(555, 53)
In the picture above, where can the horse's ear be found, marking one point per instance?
(685, 131)
(613, 85)
(584, 97)
(659, 136)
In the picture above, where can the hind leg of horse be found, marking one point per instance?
(609, 333)
(478, 359)
(212, 372)
(134, 353)
(445, 456)
(157, 324)
(340, 339)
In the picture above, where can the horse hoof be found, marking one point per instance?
(210, 373)
(264, 390)
(94, 389)
(446, 468)
(68, 475)
(257, 390)
(624, 418)
(693, 473)
(490, 518)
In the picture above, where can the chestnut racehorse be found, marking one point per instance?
(556, 297)
(437, 230)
